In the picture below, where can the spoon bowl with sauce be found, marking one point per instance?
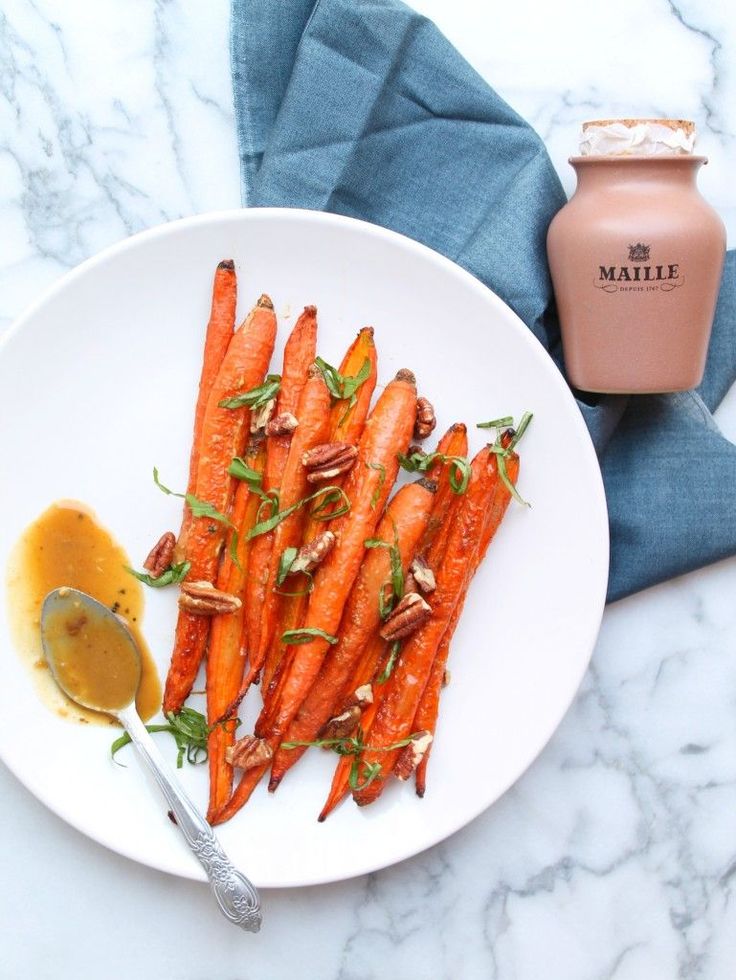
(96, 662)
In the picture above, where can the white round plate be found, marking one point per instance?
(97, 385)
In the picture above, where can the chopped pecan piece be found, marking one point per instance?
(329, 460)
(203, 599)
(260, 417)
(426, 421)
(411, 613)
(423, 575)
(362, 696)
(412, 754)
(160, 556)
(342, 725)
(311, 554)
(249, 752)
(282, 425)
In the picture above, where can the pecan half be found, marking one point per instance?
(412, 754)
(311, 554)
(426, 421)
(260, 417)
(342, 725)
(160, 555)
(411, 613)
(249, 752)
(203, 599)
(329, 460)
(423, 575)
(282, 425)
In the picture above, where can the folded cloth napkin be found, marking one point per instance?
(363, 107)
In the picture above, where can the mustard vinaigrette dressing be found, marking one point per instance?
(66, 546)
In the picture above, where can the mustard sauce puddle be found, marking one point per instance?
(66, 546)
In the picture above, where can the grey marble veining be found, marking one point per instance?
(614, 857)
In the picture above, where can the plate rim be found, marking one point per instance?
(193, 871)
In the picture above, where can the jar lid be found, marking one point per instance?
(637, 137)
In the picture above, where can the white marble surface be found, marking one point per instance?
(614, 857)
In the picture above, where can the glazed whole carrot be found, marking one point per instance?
(367, 487)
(225, 659)
(429, 704)
(403, 523)
(346, 425)
(219, 332)
(313, 413)
(299, 353)
(224, 433)
(395, 716)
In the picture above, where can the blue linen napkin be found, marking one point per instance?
(363, 107)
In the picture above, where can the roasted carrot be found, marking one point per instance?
(346, 425)
(313, 413)
(219, 332)
(299, 353)
(367, 487)
(453, 443)
(402, 527)
(428, 709)
(225, 657)
(243, 792)
(394, 719)
(224, 432)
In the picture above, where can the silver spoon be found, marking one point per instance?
(69, 621)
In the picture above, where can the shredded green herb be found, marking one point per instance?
(375, 497)
(285, 562)
(306, 635)
(189, 730)
(362, 773)
(170, 576)
(390, 663)
(396, 581)
(199, 508)
(256, 397)
(502, 452)
(419, 462)
(496, 423)
(343, 386)
(329, 494)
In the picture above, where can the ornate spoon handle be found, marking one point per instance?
(236, 896)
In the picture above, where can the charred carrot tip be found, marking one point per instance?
(428, 484)
(459, 427)
(273, 784)
(310, 310)
(226, 264)
(265, 301)
(366, 330)
(406, 375)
